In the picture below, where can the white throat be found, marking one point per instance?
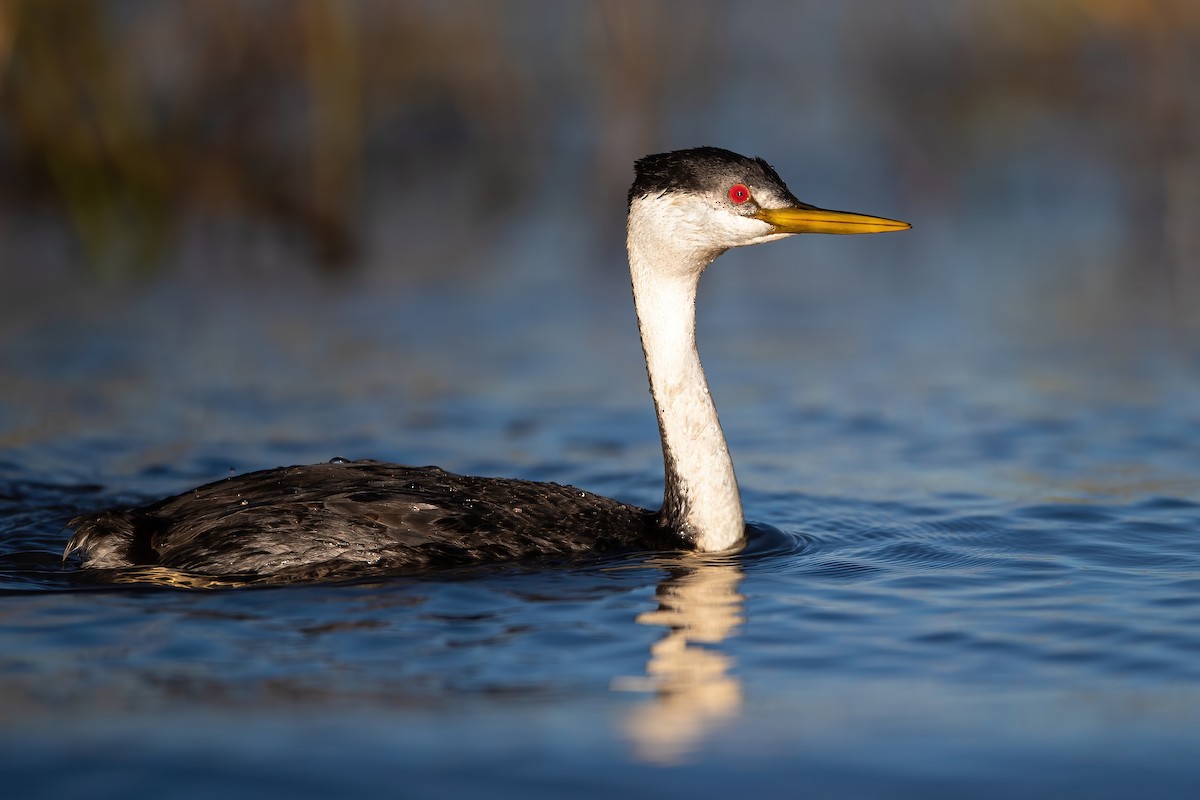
(701, 496)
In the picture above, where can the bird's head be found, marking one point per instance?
(706, 200)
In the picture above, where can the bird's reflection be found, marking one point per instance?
(693, 688)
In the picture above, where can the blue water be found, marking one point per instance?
(977, 571)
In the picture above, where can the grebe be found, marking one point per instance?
(344, 519)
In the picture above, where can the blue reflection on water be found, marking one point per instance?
(980, 573)
(985, 573)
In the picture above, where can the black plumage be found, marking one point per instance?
(699, 169)
(363, 517)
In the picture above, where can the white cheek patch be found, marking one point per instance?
(700, 224)
(753, 231)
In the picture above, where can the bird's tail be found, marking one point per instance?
(103, 539)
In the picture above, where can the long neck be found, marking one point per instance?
(701, 498)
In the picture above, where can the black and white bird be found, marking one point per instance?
(353, 518)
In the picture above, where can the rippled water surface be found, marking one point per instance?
(975, 571)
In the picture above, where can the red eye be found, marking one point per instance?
(738, 193)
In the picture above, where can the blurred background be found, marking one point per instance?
(238, 234)
(267, 196)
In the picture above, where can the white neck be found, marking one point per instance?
(701, 498)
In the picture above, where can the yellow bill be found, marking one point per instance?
(807, 219)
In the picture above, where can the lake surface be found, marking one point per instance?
(977, 571)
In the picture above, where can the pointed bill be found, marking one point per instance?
(806, 219)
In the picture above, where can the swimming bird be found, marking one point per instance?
(352, 518)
